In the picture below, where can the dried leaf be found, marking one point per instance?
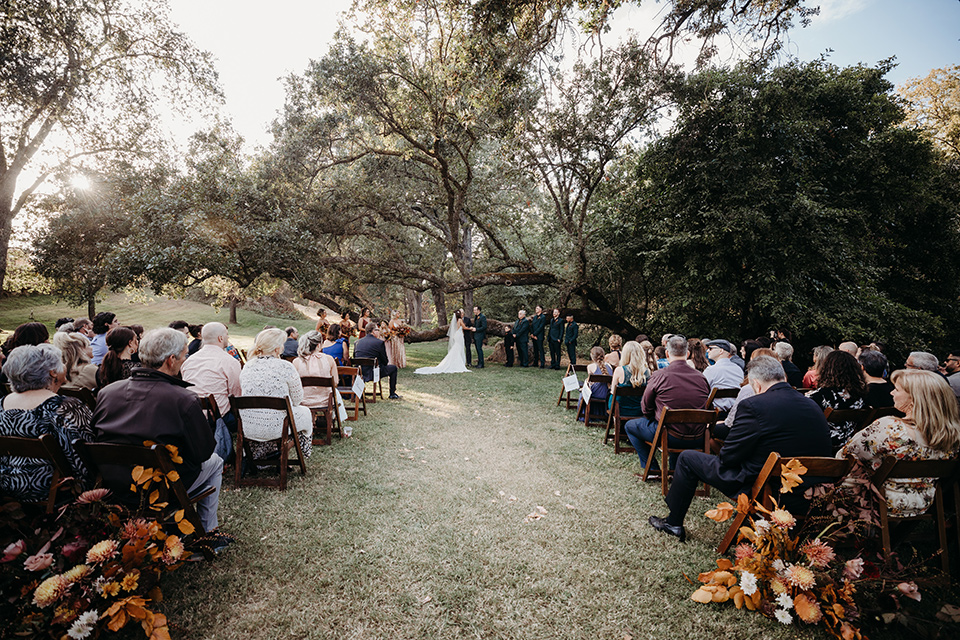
(790, 475)
(701, 596)
(738, 599)
(949, 612)
(743, 504)
(724, 564)
(721, 595)
(721, 513)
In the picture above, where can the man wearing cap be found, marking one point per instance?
(723, 373)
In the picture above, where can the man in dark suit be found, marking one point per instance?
(537, 325)
(508, 344)
(570, 335)
(371, 346)
(556, 335)
(468, 339)
(777, 419)
(479, 334)
(521, 331)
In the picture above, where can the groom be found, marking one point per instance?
(479, 329)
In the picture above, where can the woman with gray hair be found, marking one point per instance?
(33, 409)
(311, 361)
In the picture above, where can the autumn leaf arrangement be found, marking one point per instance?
(93, 567)
(799, 575)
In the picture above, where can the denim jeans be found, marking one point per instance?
(643, 429)
(211, 475)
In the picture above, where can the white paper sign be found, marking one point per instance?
(376, 374)
(341, 408)
(358, 385)
(585, 392)
(570, 383)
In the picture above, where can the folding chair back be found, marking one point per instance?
(106, 457)
(860, 417)
(359, 400)
(567, 396)
(47, 448)
(944, 474)
(595, 378)
(377, 386)
(617, 418)
(718, 394)
(883, 412)
(212, 410)
(329, 412)
(288, 440)
(706, 417)
(83, 394)
(767, 485)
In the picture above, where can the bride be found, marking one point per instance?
(456, 359)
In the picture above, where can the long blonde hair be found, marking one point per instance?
(268, 341)
(935, 413)
(74, 349)
(635, 360)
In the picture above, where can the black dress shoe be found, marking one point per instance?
(660, 524)
(394, 396)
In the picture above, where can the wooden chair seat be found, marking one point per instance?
(616, 419)
(945, 474)
(595, 378)
(706, 417)
(48, 448)
(288, 440)
(329, 412)
(359, 401)
(377, 386)
(566, 396)
(83, 394)
(100, 456)
(767, 485)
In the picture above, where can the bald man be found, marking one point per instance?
(212, 371)
(851, 348)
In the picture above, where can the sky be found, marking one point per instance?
(256, 45)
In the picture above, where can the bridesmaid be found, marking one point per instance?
(396, 351)
(363, 322)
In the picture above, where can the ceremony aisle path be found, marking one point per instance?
(472, 508)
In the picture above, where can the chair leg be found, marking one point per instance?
(284, 458)
(664, 461)
(884, 528)
(731, 532)
(942, 531)
(238, 458)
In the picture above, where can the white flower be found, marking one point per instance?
(84, 625)
(762, 526)
(785, 601)
(779, 566)
(783, 616)
(748, 582)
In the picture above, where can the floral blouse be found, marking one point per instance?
(892, 436)
(834, 398)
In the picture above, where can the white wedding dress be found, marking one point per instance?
(456, 359)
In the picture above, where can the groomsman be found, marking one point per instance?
(508, 345)
(479, 329)
(521, 331)
(468, 339)
(570, 338)
(556, 336)
(537, 325)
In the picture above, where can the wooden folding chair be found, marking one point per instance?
(377, 386)
(861, 417)
(944, 474)
(602, 402)
(767, 485)
(83, 394)
(616, 419)
(212, 410)
(883, 412)
(571, 401)
(359, 401)
(104, 456)
(288, 440)
(47, 448)
(706, 417)
(329, 412)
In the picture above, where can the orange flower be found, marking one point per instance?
(172, 550)
(129, 582)
(134, 529)
(111, 589)
(777, 585)
(800, 576)
(744, 551)
(818, 553)
(50, 591)
(102, 551)
(807, 609)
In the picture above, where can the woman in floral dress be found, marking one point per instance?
(842, 386)
(929, 430)
(396, 351)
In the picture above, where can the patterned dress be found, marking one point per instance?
(396, 350)
(893, 436)
(840, 432)
(28, 479)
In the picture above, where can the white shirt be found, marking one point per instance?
(212, 371)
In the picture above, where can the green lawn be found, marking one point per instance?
(416, 527)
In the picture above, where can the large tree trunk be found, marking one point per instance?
(91, 305)
(440, 304)
(233, 310)
(6, 230)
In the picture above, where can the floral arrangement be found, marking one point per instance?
(402, 329)
(801, 577)
(91, 567)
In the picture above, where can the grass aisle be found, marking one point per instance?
(416, 527)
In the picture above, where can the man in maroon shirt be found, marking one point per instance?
(677, 386)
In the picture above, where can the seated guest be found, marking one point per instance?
(154, 404)
(951, 368)
(747, 347)
(722, 429)
(213, 372)
(598, 390)
(372, 346)
(660, 354)
(677, 386)
(182, 326)
(334, 345)
(60, 322)
(32, 409)
(724, 373)
(929, 430)
(777, 419)
(697, 354)
(79, 372)
(616, 345)
(267, 375)
(648, 354)
(292, 343)
(138, 329)
(102, 322)
(632, 372)
(784, 351)
(841, 386)
(29, 333)
(117, 364)
(311, 361)
(850, 347)
(195, 330)
(84, 326)
(923, 361)
(879, 390)
(812, 374)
